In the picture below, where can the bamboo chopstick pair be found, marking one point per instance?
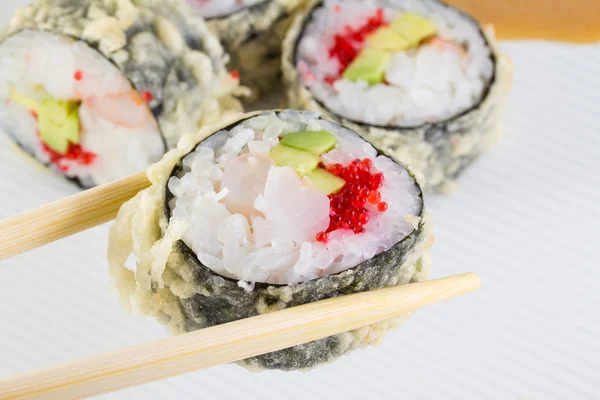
(200, 349)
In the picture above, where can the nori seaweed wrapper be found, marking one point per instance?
(252, 37)
(157, 44)
(191, 296)
(440, 151)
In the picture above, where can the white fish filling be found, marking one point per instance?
(432, 82)
(221, 8)
(250, 220)
(115, 123)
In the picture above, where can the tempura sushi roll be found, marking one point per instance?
(251, 32)
(101, 89)
(415, 76)
(267, 211)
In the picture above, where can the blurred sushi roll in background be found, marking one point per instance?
(415, 76)
(99, 89)
(251, 31)
(266, 211)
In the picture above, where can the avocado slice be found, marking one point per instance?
(369, 66)
(413, 28)
(325, 181)
(25, 101)
(301, 161)
(59, 124)
(388, 39)
(316, 142)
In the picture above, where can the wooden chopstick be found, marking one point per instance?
(68, 216)
(230, 342)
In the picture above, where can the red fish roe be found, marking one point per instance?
(363, 218)
(74, 153)
(78, 75)
(330, 79)
(147, 96)
(322, 237)
(348, 44)
(376, 181)
(382, 207)
(374, 197)
(347, 207)
(336, 169)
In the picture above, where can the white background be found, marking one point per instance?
(526, 219)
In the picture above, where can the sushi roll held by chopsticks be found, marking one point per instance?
(266, 211)
(416, 76)
(251, 32)
(98, 90)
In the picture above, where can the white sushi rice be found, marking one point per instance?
(221, 8)
(250, 220)
(426, 84)
(115, 124)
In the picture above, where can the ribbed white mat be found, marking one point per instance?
(526, 218)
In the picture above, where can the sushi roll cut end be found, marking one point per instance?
(98, 91)
(379, 63)
(418, 77)
(67, 105)
(273, 210)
